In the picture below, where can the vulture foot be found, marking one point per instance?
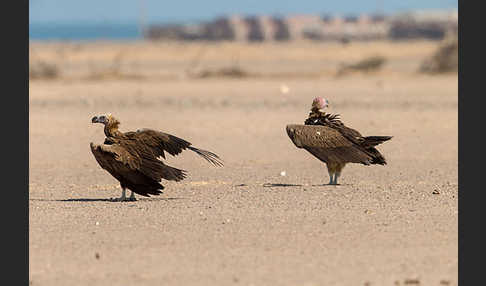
(132, 197)
(121, 199)
(333, 178)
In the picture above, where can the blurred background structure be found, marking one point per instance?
(363, 27)
(73, 25)
(244, 20)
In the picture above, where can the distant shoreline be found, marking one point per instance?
(63, 32)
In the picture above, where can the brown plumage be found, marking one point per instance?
(133, 157)
(329, 140)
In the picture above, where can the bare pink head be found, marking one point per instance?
(320, 103)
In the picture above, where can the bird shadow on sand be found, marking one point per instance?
(158, 199)
(331, 185)
(270, 185)
(111, 200)
(72, 200)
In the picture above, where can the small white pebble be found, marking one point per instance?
(284, 89)
(283, 173)
(97, 223)
(318, 133)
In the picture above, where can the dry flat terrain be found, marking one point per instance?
(245, 223)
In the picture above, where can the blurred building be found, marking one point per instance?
(424, 24)
(432, 25)
(348, 28)
(301, 26)
(240, 29)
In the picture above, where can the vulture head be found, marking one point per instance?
(104, 119)
(110, 122)
(319, 103)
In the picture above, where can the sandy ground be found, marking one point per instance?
(245, 224)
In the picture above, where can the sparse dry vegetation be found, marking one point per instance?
(369, 64)
(113, 71)
(177, 61)
(43, 70)
(231, 72)
(444, 60)
(106, 74)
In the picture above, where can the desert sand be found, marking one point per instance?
(246, 223)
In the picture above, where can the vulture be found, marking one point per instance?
(329, 140)
(133, 157)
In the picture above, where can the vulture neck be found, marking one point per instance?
(316, 113)
(111, 129)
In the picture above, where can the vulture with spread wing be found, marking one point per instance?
(133, 157)
(329, 140)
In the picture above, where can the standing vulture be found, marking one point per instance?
(330, 141)
(133, 157)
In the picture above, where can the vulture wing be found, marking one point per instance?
(157, 142)
(132, 167)
(327, 144)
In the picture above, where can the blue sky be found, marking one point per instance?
(128, 11)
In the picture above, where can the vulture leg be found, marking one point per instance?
(338, 172)
(123, 196)
(132, 196)
(336, 176)
(331, 169)
(330, 176)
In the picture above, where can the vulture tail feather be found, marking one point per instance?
(375, 140)
(174, 174)
(208, 156)
(377, 157)
(153, 190)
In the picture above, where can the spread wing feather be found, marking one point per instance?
(157, 142)
(208, 156)
(122, 161)
(121, 167)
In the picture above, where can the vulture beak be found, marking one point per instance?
(99, 119)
